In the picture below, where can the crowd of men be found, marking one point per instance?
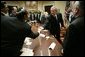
(14, 29)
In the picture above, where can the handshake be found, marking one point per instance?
(41, 32)
(40, 29)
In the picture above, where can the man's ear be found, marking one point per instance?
(77, 10)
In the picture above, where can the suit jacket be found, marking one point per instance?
(32, 16)
(13, 33)
(74, 39)
(37, 17)
(53, 24)
(12, 15)
(43, 19)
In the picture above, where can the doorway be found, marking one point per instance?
(47, 8)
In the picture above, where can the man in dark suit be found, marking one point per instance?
(74, 39)
(44, 18)
(53, 24)
(13, 33)
(32, 16)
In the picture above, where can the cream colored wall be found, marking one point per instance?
(40, 6)
(16, 3)
(61, 5)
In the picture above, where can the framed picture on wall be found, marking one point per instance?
(31, 5)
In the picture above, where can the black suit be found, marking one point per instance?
(53, 25)
(13, 33)
(32, 16)
(74, 39)
(43, 19)
(37, 17)
(12, 15)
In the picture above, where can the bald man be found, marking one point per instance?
(53, 24)
(74, 39)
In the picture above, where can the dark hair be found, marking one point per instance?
(3, 4)
(21, 14)
(19, 9)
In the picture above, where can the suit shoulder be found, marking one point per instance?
(48, 17)
(8, 18)
(78, 23)
(59, 14)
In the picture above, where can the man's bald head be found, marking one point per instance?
(15, 9)
(53, 10)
